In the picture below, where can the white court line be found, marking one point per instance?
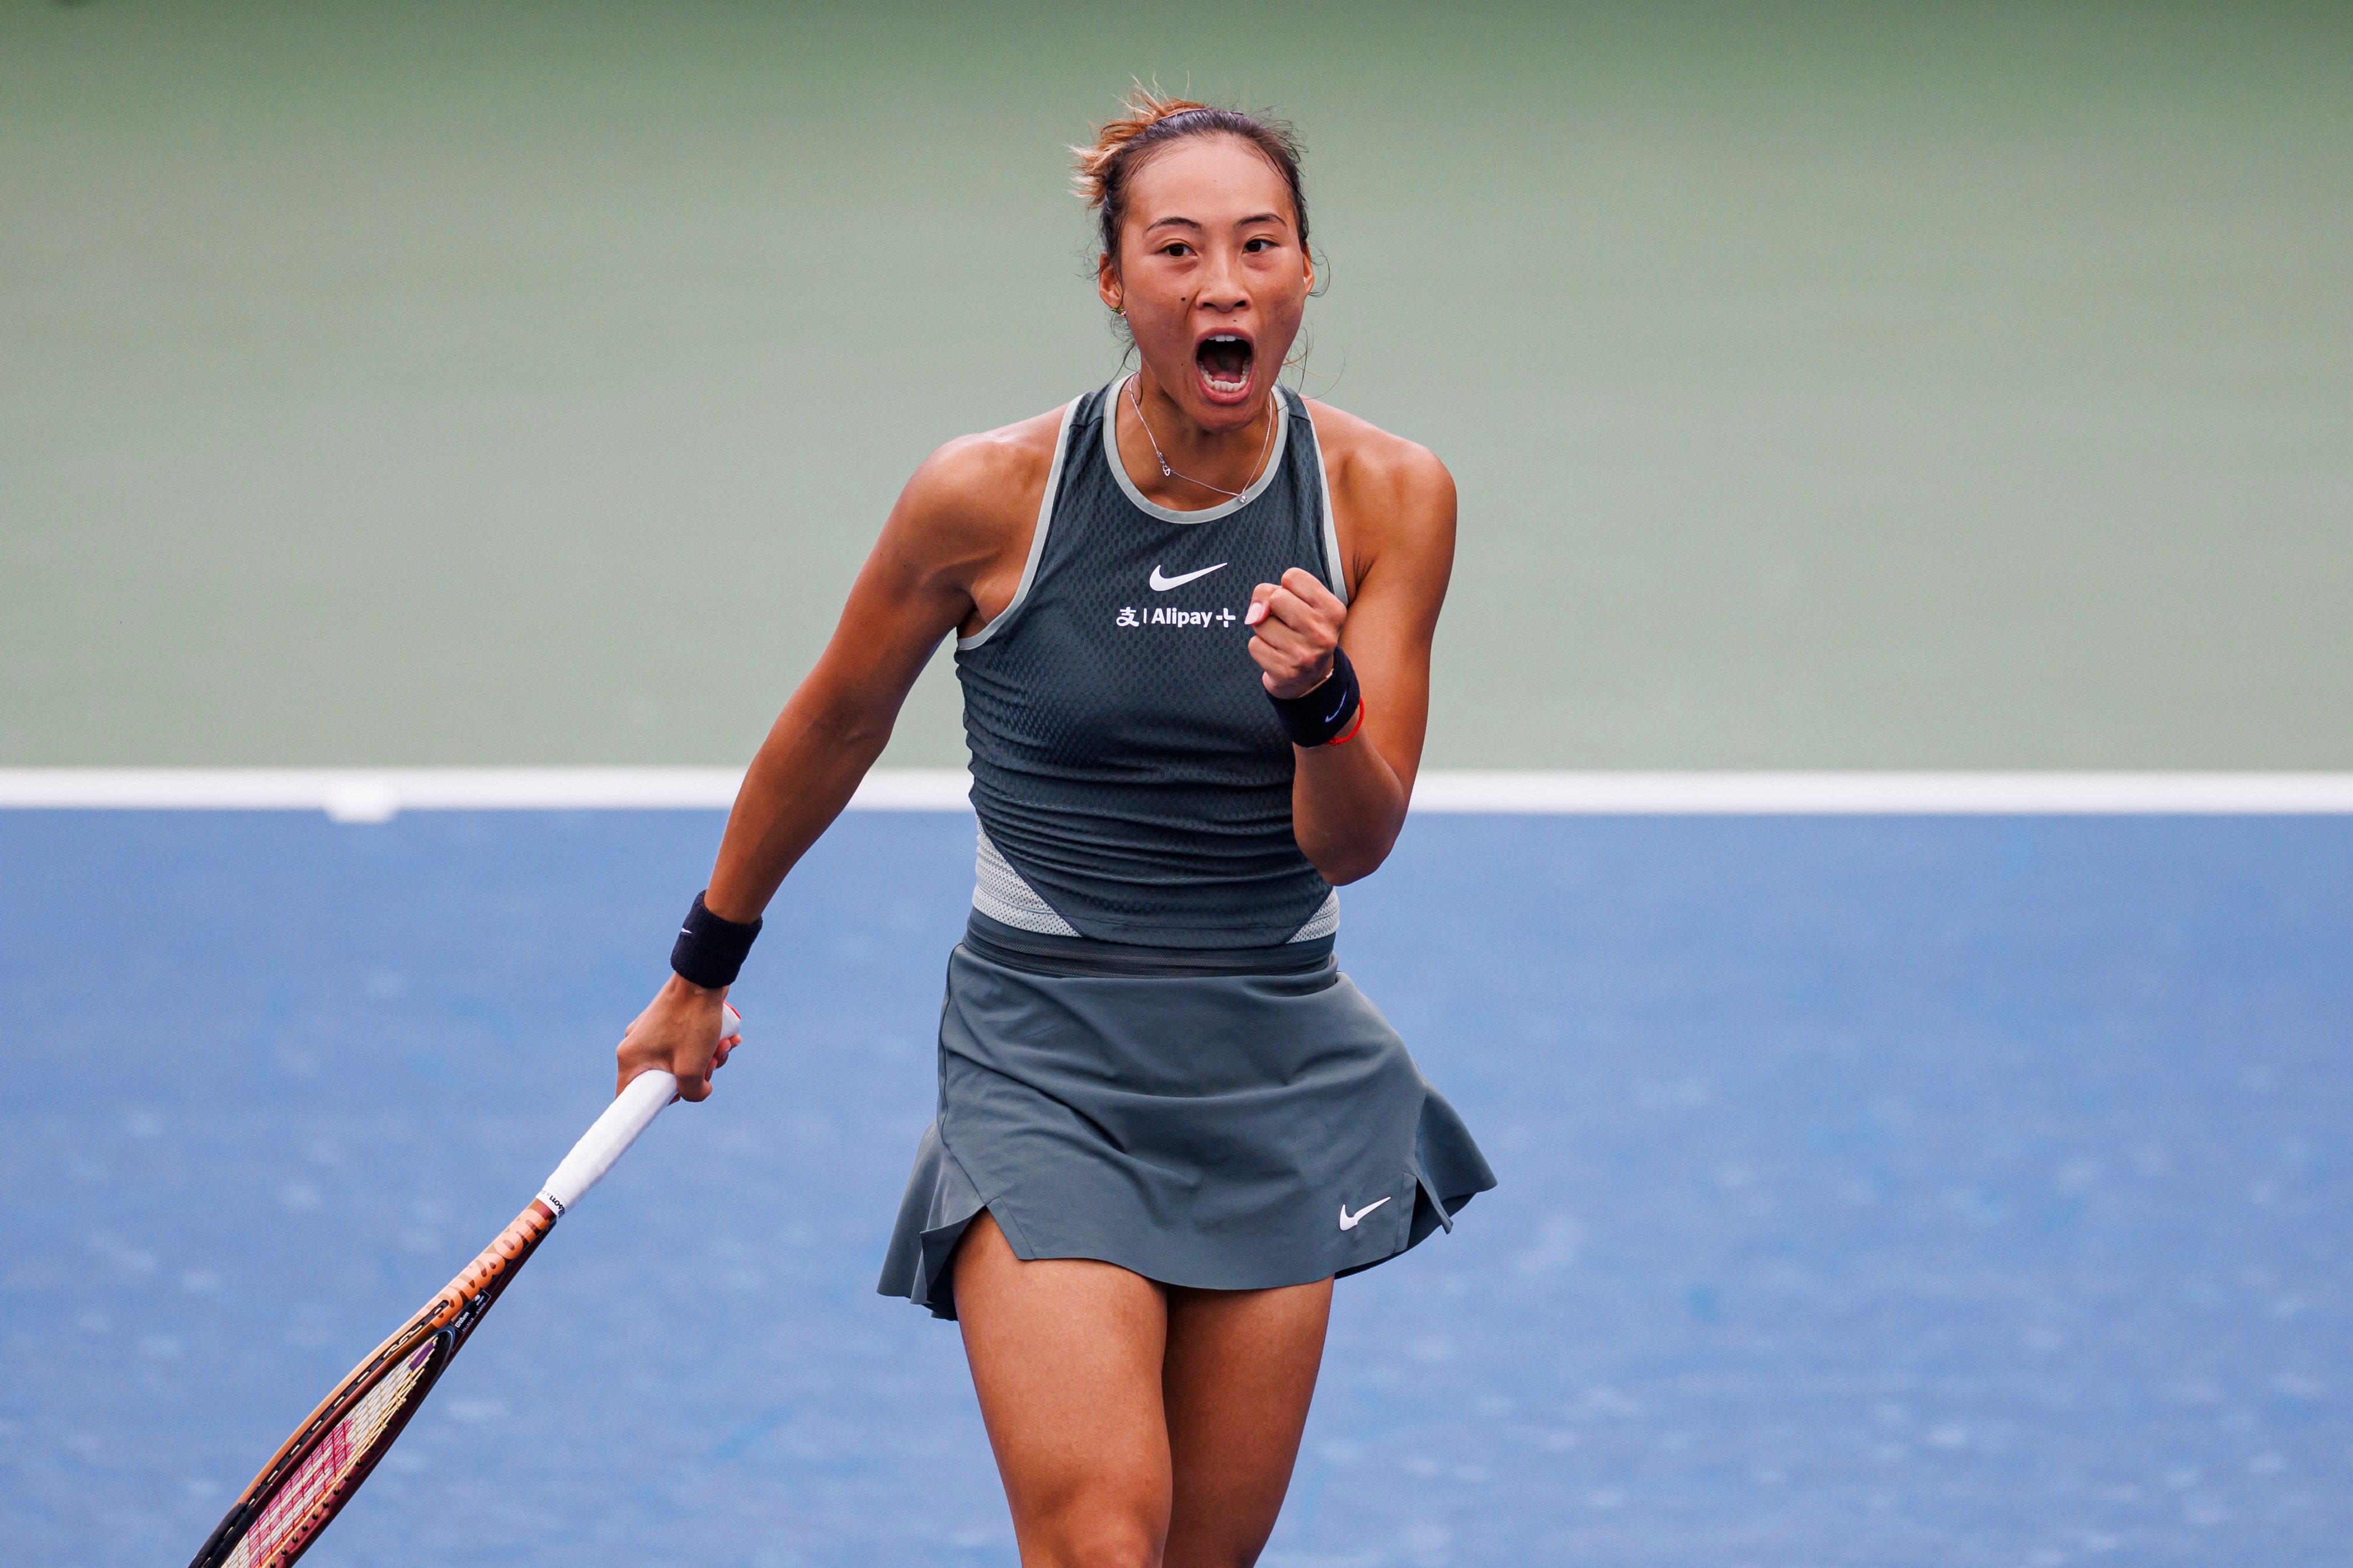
(376, 794)
(1886, 794)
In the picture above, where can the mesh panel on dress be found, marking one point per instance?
(998, 892)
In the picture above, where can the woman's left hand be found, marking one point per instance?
(1298, 624)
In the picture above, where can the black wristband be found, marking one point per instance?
(710, 951)
(1325, 714)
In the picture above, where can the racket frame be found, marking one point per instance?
(450, 1316)
(453, 1314)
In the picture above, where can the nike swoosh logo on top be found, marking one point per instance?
(1162, 584)
(1350, 1221)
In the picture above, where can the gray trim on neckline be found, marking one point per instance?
(1225, 508)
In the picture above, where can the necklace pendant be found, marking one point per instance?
(1266, 444)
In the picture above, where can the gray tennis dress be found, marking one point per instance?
(1149, 1054)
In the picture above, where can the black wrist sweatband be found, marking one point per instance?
(710, 951)
(1325, 714)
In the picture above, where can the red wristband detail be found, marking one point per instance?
(1354, 724)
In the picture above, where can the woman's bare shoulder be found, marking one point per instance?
(974, 492)
(1382, 485)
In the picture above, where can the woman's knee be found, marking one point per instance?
(1106, 1527)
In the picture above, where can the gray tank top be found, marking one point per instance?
(1132, 782)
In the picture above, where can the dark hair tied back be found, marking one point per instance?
(1102, 172)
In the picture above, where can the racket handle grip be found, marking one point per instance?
(632, 1112)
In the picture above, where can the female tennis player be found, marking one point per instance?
(1194, 615)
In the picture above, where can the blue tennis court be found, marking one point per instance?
(1873, 1191)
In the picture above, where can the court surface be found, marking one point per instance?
(1874, 1192)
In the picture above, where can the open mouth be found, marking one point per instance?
(1223, 360)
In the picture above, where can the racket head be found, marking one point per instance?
(286, 1510)
(316, 1471)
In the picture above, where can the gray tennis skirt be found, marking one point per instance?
(1244, 1121)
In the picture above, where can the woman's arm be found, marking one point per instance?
(941, 562)
(1394, 512)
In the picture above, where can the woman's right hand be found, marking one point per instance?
(679, 1033)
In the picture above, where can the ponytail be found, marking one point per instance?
(1102, 172)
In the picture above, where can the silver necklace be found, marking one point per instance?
(1169, 473)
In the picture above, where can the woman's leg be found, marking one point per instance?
(1128, 1419)
(1236, 1381)
(1066, 1356)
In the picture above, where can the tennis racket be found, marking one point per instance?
(316, 1471)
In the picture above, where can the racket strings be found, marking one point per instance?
(301, 1506)
(289, 1515)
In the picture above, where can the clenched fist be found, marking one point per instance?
(1298, 623)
